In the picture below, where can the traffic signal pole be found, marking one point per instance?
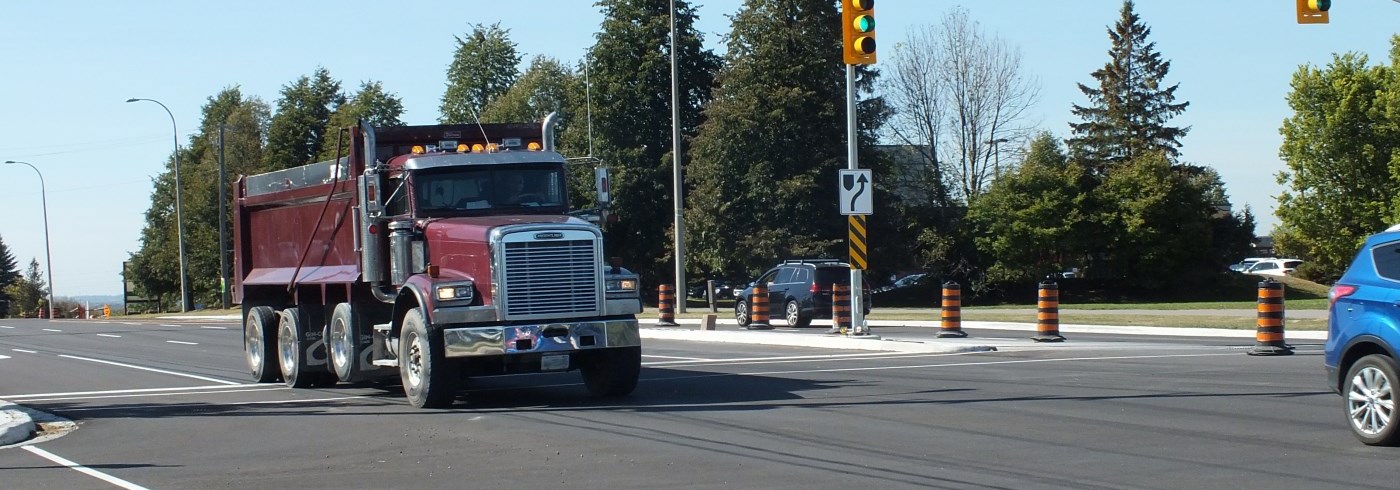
(858, 326)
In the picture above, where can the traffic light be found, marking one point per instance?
(1313, 11)
(858, 31)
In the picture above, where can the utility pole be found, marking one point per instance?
(676, 157)
(223, 227)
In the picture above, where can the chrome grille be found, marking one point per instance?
(551, 277)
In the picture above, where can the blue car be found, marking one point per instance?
(1363, 332)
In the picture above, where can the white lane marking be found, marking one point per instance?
(132, 323)
(120, 483)
(213, 328)
(144, 395)
(154, 370)
(137, 390)
(26, 351)
(2, 356)
(206, 404)
(51, 330)
(816, 357)
(677, 357)
(168, 325)
(109, 335)
(984, 363)
(181, 342)
(6, 326)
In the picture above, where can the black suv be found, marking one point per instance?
(798, 291)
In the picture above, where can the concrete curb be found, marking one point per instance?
(1072, 328)
(15, 425)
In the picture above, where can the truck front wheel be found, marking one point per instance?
(422, 364)
(260, 343)
(612, 372)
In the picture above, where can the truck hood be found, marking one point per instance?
(478, 228)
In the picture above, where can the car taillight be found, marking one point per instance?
(1338, 292)
(815, 288)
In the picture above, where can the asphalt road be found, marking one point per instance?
(167, 407)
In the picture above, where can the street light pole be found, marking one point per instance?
(676, 163)
(179, 219)
(48, 255)
(996, 150)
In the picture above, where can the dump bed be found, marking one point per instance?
(297, 223)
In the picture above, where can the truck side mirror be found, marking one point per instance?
(604, 186)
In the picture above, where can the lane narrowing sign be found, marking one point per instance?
(855, 189)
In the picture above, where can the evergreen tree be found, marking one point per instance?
(765, 160)
(303, 113)
(1128, 112)
(27, 294)
(484, 66)
(371, 104)
(630, 72)
(1342, 149)
(9, 272)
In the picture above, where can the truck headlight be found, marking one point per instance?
(456, 292)
(622, 285)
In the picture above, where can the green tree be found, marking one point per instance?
(1152, 217)
(371, 104)
(483, 67)
(9, 269)
(155, 265)
(629, 68)
(1128, 112)
(543, 88)
(1341, 147)
(766, 158)
(27, 294)
(1030, 222)
(303, 113)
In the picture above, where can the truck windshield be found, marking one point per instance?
(498, 190)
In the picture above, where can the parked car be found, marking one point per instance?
(722, 290)
(1274, 267)
(1363, 333)
(1245, 264)
(903, 282)
(798, 291)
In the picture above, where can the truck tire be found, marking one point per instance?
(427, 381)
(260, 343)
(612, 372)
(344, 343)
(293, 343)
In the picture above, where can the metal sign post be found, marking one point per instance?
(855, 190)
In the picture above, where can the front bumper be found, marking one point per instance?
(545, 337)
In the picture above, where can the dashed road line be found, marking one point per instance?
(6, 326)
(154, 370)
(109, 335)
(120, 483)
(213, 328)
(51, 330)
(23, 397)
(168, 325)
(2, 356)
(26, 351)
(181, 342)
(678, 357)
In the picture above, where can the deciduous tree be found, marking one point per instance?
(303, 113)
(484, 66)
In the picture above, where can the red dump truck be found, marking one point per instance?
(434, 253)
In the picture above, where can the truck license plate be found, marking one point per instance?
(554, 363)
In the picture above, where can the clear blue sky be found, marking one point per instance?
(70, 65)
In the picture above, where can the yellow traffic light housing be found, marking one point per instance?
(1313, 11)
(858, 31)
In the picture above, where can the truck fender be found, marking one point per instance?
(413, 294)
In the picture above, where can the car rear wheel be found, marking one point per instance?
(793, 313)
(741, 312)
(1370, 400)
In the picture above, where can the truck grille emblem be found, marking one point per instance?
(552, 235)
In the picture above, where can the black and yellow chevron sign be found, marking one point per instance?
(858, 247)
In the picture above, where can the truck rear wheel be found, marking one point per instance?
(612, 372)
(344, 343)
(427, 381)
(260, 343)
(293, 348)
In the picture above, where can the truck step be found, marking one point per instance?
(383, 327)
(387, 362)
